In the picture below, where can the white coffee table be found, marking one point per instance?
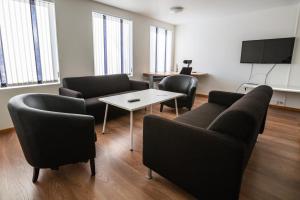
(147, 98)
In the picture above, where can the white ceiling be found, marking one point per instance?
(194, 9)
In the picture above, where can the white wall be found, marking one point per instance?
(75, 43)
(214, 45)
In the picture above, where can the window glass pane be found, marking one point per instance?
(152, 48)
(127, 47)
(161, 45)
(169, 51)
(112, 45)
(98, 43)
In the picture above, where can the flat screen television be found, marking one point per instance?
(270, 51)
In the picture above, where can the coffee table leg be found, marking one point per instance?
(131, 129)
(176, 107)
(105, 117)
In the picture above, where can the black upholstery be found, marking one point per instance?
(186, 70)
(53, 130)
(90, 88)
(202, 116)
(206, 150)
(183, 84)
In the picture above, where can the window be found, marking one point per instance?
(112, 45)
(160, 49)
(28, 44)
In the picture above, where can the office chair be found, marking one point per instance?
(187, 70)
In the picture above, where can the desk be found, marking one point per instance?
(152, 75)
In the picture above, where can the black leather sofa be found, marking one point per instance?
(182, 84)
(53, 130)
(90, 88)
(207, 149)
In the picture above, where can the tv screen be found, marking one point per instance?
(271, 51)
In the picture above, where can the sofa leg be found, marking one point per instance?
(92, 165)
(149, 175)
(35, 174)
(161, 107)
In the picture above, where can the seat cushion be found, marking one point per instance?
(201, 116)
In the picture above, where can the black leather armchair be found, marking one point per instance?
(182, 84)
(53, 130)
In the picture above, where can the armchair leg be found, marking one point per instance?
(92, 165)
(149, 175)
(35, 174)
(161, 107)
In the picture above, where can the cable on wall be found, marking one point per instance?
(268, 73)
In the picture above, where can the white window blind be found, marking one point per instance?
(28, 43)
(112, 45)
(160, 49)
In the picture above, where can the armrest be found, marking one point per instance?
(161, 86)
(61, 135)
(68, 92)
(138, 85)
(202, 161)
(223, 98)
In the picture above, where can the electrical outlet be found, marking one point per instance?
(279, 102)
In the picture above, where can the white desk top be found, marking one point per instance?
(279, 88)
(147, 98)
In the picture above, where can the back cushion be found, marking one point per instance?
(178, 83)
(244, 118)
(95, 86)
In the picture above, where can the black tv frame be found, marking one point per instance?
(260, 60)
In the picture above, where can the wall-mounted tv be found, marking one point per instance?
(270, 51)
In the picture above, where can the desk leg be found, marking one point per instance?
(176, 107)
(131, 130)
(151, 81)
(105, 118)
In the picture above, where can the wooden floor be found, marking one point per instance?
(273, 171)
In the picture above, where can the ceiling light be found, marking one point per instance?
(176, 9)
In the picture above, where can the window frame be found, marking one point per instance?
(54, 53)
(99, 12)
(171, 54)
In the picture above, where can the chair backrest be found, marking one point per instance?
(179, 83)
(186, 70)
(94, 86)
(243, 119)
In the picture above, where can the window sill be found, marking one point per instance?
(29, 86)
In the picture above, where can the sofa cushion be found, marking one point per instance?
(95, 86)
(243, 119)
(201, 116)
